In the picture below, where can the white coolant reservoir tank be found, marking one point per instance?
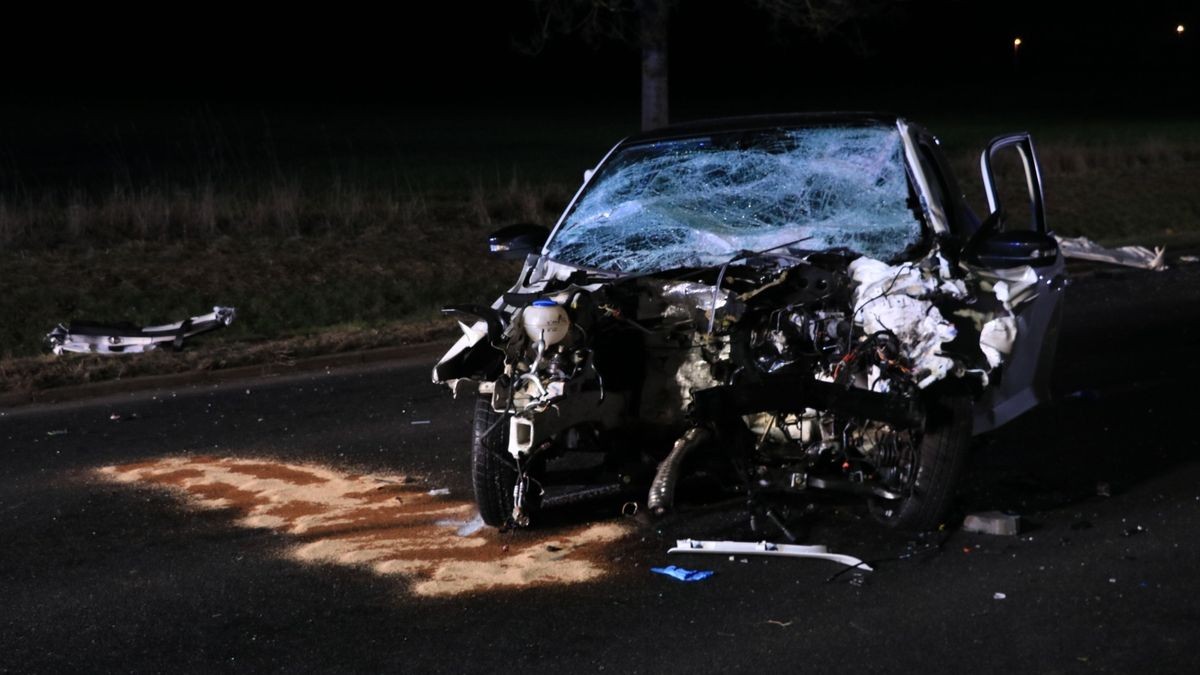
(546, 320)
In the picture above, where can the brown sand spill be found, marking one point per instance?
(387, 523)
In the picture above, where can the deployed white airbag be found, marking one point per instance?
(893, 298)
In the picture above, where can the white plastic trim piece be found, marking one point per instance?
(766, 548)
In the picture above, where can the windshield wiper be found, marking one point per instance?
(741, 255)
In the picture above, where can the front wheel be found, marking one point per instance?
(493, 470)
(934, 465)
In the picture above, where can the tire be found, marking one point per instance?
(493, 471)
(940, 459)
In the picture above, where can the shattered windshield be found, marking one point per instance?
(695, 202)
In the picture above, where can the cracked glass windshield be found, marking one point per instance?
(695, 202)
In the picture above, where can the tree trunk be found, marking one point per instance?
(652, 17)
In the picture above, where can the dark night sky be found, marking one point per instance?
(1075, 53)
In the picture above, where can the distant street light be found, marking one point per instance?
(1017, 41)
(1179, 29)
(1016, 52)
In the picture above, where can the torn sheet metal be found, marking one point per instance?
(1012, 286)
(684, 299)
(88, 337)
(765, 548)
(1083, 248)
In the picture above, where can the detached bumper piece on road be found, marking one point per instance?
(89, 337)
(766, 548)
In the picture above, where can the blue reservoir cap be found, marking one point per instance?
(545, 303)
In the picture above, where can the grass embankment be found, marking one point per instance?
(341, 266)
(322, 287)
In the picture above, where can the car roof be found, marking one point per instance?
(751, 122)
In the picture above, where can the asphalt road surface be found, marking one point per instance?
(98, 575)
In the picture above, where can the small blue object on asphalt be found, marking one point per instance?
(682, 574)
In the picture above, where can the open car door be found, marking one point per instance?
(1024, 254)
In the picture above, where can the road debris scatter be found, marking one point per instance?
(391, 525)
(993, 522)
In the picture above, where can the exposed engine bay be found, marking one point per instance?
(801, 372)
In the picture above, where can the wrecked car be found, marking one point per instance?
(776, 306)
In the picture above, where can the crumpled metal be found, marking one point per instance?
(86, 337)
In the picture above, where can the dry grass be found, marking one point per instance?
(1117, 192)
(292, 262)
(282, 208)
